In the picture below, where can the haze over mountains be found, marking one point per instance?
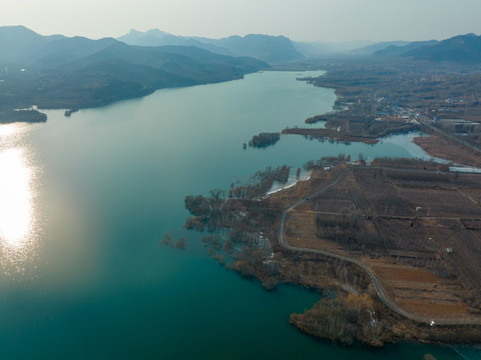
(272, 49)
(62, 72)
(463, 48)
(279, 49)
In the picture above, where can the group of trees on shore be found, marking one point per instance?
(347, 318)
(327, 161)
(240, 225)
(260, 183)
(206, 209)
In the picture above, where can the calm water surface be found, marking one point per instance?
(85, 200)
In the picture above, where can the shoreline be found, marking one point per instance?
(318, 271)
(300, 263)
(285, 187)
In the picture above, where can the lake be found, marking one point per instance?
(85, 200)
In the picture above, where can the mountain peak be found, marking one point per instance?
(269, 48)
(157, 32)
(17, 30)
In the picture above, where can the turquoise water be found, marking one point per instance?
(83, 274)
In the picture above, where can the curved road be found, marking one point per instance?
(375, 280)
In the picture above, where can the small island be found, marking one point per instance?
(264, 140)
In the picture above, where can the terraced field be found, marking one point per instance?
(419, 231)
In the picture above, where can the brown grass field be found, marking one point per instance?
(436, 145)
(418, 230)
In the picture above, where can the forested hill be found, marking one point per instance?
(458, 49)
(61, 72)
(462, 48)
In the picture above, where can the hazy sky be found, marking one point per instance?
(310, 20)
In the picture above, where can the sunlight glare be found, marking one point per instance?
(15, 198)
(7, 130)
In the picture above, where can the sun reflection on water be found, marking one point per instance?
(17, 200)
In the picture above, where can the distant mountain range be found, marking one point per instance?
(272, 49)
(398, 49)
(463, 48)
(156, 37)
(279, 49)
(460, 49)
(76, 72)
(62, 72)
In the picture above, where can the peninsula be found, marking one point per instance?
(393, 244)
(379, 237)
